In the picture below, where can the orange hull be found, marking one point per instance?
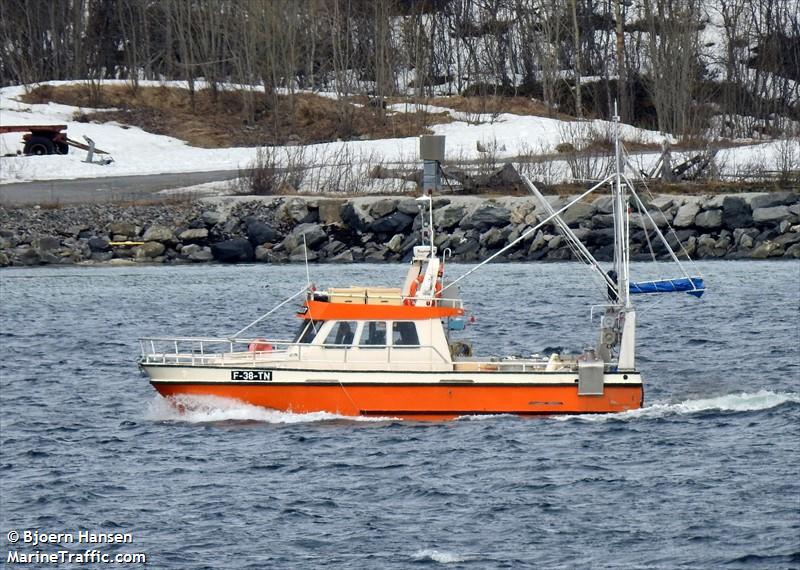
(416, 401)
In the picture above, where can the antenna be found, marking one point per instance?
(305, 252)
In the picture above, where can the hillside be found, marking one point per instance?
(685, 67)
(154, 130)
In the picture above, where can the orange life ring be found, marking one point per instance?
(438, 288)
(259, 345)
(412, 292)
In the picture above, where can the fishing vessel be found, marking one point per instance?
(394, 351)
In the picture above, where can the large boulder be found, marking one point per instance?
(744, 237)
(101, 256)
(394, 223)
(233, 251)
(495, 237)
(793, 251)
(767, 249)
(98, 244)
(604, 204)
(662, 202)
(375, 254)
(736, 213)
(196, 252)
(344, 257)
(330, 211)
(713, 202)
(259, 232)
(661, 218)
(521, 211)
(773, 199)
(300, 255)
(787, 239)
(485, 216)
(408, 206)
(709, 219)
(158, 233)
(771, 214)
(45, 244)
(355, 218)
(467, 248)
(314, 236)
(395, 244)
(686, 214)
(448, 217)
(125, 229)
(293, 210)
(263, 252)
(202, 255)
(382, 207)
(212, 218)
(578, 212)
(148, 250)
(602, 221)
(193, 235)
(600, 237)
(332, 248)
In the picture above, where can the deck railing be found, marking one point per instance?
(259, 352)
(201, 351)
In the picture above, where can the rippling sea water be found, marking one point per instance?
(705, 476)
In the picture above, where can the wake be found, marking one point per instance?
(742, 402)
(214, 409)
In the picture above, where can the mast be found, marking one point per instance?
(621, 226)
(627, 314)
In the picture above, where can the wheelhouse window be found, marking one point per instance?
(342, 333)
(308, 330)
(404, 333)
(373, 334)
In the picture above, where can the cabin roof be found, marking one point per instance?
(325, 311)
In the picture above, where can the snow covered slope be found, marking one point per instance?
(138, 152)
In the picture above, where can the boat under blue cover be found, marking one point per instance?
(692, 285)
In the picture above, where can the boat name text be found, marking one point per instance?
(252, 375)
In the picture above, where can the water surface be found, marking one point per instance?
(705, 476)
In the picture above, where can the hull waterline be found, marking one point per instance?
(418, 399)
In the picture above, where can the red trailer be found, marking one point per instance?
(47, 139)
(41, 139)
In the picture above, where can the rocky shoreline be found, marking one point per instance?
(377, 229)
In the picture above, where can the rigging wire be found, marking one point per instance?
(647, 239)
(268, 313)
(526, 233)
(670, 229)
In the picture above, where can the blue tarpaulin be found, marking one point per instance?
(692, 285)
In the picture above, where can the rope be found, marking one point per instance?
(346, 393)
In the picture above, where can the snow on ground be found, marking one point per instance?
(333, 166)
(218, 188)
